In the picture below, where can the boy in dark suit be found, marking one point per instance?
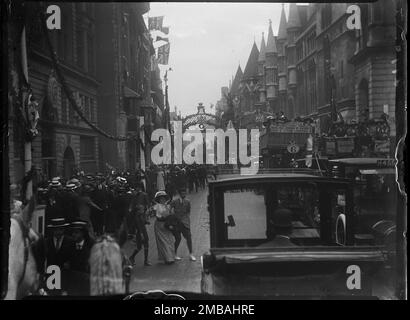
(79, 269)
(58, 243)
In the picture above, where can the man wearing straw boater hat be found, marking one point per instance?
(79, 269)
(58, 244)
(54, 207)
(71, 200)
(58, 250)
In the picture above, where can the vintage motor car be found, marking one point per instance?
(321, 256)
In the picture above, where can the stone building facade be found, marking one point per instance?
(291, 72)
(106, 56)
(130, 83)
(65, 143)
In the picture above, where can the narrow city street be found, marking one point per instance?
(184, 275)
(295, 111)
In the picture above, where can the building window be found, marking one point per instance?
(299, 50)
(311, 42)
(90, 54)
(65, 46)
(312, 87)
(80, 49)
(71, 113)
(80, 7)
(377, 12)
(48, 153)
(87, 148)
(90, 9)
(326, 15)
(64, 108)
(364, 10)
(301, 91)
(363, 103)
(91, 107)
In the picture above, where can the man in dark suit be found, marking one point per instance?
(58, 243)
(79, 269)
(182, 210)
(58, 249)
(281, 225)
(136, 221)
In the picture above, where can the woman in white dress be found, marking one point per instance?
(164, 237)
(160, 180)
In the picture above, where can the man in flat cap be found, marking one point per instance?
(281, 227)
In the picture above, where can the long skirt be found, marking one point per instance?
(165, 242)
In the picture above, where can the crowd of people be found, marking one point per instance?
(87, 207)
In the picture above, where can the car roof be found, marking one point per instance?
(359, 160)
(278, 177)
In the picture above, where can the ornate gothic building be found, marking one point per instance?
(316, 63)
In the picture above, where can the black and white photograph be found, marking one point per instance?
(203, 151)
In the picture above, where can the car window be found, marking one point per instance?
(249, 213)
(248, 209)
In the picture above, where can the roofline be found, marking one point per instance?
(289, 177)
(364, 160)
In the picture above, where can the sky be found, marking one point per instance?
(207, 43)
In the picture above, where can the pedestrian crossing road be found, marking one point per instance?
(184, 275)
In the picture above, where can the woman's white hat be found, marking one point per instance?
(161, 194)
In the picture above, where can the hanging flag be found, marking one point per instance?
(164, 30)
(162, 39)
(163, 54)
(155, 23)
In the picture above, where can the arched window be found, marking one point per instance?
(312, 87)
(363, 102)
(377, 12)
(326, 15)
(364, 10)
(68, 162)
(48, 152)
(291, 108)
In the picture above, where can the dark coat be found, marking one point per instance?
(78, 275)
(61, 256)
(78, 260)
